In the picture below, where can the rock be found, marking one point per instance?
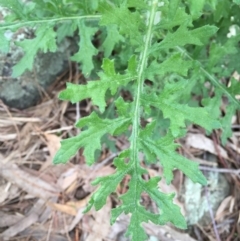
(197, 200)
(25, 91)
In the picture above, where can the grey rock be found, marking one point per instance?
(25, 91)
(198, 200)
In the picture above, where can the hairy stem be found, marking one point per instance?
(140, 81)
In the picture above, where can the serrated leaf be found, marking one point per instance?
(178, 113)
(213, 79)
(196, 7)
(226, 122)
(218, 51)
(96, 90)
(174, 16)
(135, 229)
(86, 49)
(211, 103)
(123, 108)
(129, 23)
(173, 64)
(169, 212)
(113, 37)
(44, 41)
(173, 8)
(182, 36)
(15, 6)
(220, 10)
(204, 33)
(66, 29)
(109, 183)
(164, 149)
(90, 139)
(234, 88)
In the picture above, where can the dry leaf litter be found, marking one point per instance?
(40, 201)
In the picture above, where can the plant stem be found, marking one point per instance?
(211, 77)
(49, 20)
(140, 81)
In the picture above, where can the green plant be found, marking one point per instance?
(167, 52)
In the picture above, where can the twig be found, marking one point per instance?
(65, 227)
(211, 215)
(15, 126)
(221, 170)
(105, 161)
(215, 143)
(49, 230)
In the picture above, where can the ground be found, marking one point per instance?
(40, 201)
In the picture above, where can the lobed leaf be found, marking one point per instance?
(164, 149)
(196, 8)
(174, 15)
(168, 211)
(113, 37)
(178, 113)
(96, 90)
(129, 23)
(110, 182)
(182, 36)
(173, 64)
(86, 49)
(90, 139)
(155, 38)
(44, 40)
(213, 79)
(15, 6)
